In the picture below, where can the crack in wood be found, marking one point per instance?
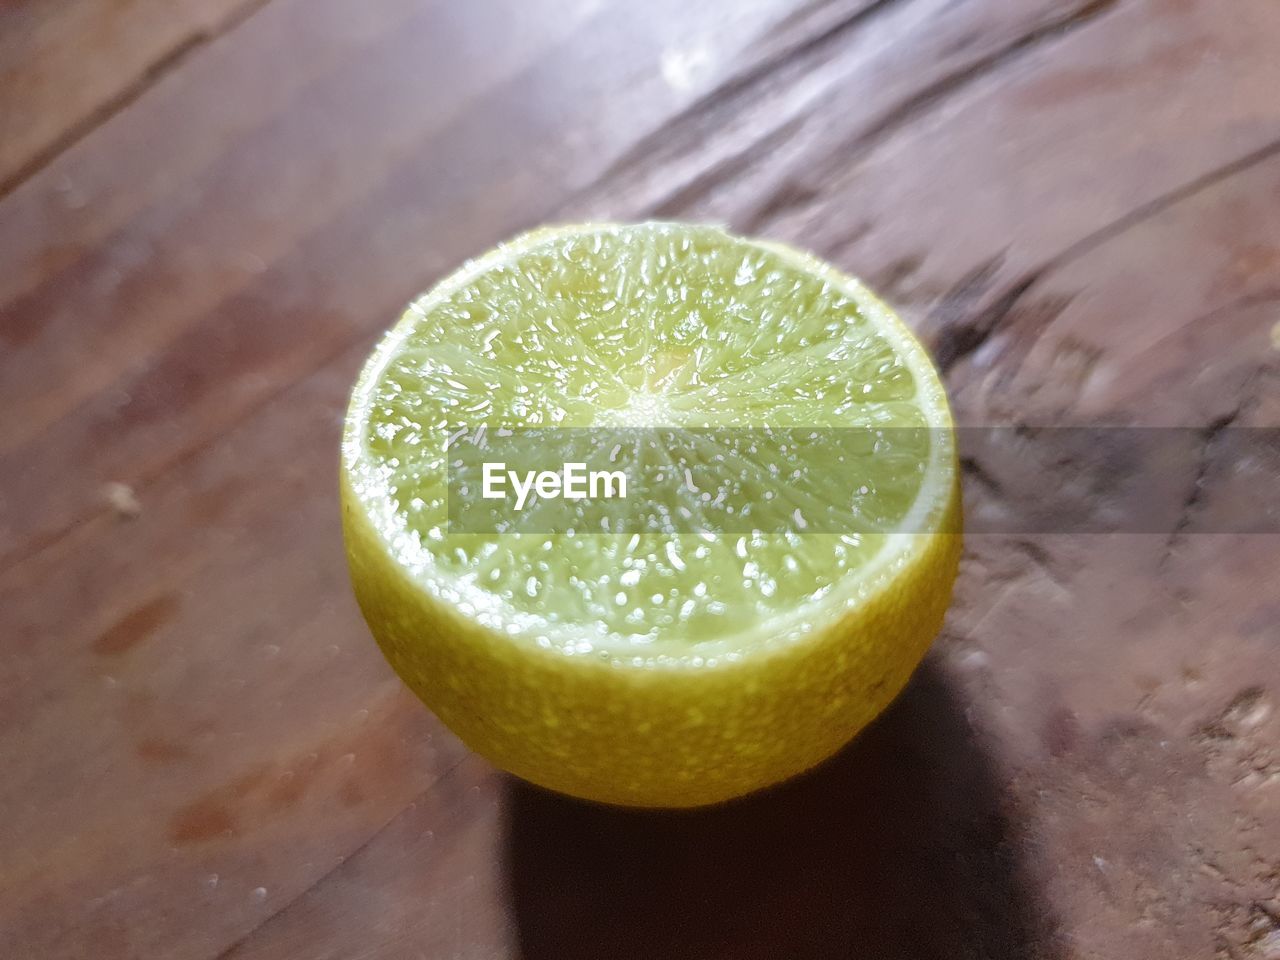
(926, 100)
(1210, 436)
(807, 11)
(153, 73)
(1161, 203)
(229, 951)
(684, 130)
(972, 467)
(960, 336)
(723, 172)
(961, 333)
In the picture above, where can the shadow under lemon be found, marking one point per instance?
(897, 847)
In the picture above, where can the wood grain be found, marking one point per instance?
(66, 67)
(1078, 205)
(336, 236)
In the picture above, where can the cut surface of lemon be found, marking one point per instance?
(678, 661)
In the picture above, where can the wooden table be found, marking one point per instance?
(209, 210)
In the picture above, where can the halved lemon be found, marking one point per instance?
(691, 661)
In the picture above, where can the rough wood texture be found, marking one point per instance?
(1077, 204)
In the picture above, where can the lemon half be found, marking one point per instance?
(660, 667)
